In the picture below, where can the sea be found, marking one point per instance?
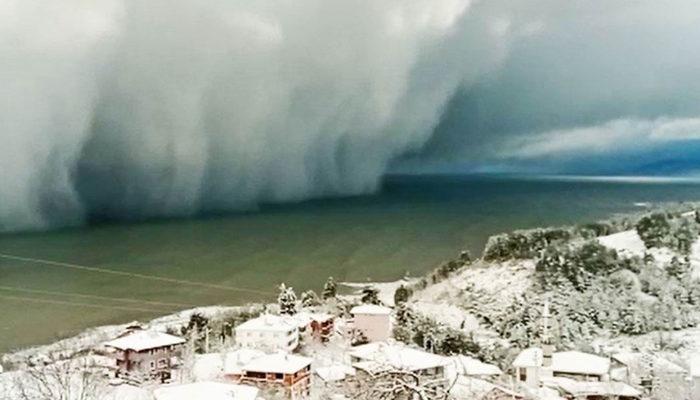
(60, 284)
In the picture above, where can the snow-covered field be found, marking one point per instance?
(628, 243)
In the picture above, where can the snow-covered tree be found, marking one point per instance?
(287, 300)
(679, 269)
(401, 295)
(60, 379)
(370, 295)
(394, 384)
(685, 234)
(330, 289)
(654, 229)
(309, 298)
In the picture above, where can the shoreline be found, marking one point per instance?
(93, 336)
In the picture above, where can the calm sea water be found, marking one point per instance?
(410, 226)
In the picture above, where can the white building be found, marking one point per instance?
(269, 333)
(527, 366)
(206, 390)
(372, 321)
(530, 366)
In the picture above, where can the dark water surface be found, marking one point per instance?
(411, 225)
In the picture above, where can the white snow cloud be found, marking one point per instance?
(171, 107)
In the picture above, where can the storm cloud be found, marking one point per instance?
(595, 78)
(132, 109)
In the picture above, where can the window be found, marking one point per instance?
(279, 377)
(153, 365)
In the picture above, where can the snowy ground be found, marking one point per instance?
(95, 336)
(679, 344)
(628, 243)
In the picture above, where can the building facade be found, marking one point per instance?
(372, 321)
(145, 355)
(268, 333)
(287, 372)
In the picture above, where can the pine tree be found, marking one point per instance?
(309, 299)
(679, 269)
(685, 234)
(330, 290)
(370, 295)
(287, 300)
(401, 295)
(654, 230)
(404, 315)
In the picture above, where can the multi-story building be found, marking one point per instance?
(142, 354)
(268, 333)
(318, 326)
(289, 372)
(372, 321)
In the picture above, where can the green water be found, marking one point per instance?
(412, 225)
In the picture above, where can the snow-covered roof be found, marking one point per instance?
(471, 366)
(595, 388)
(572, 362)
(268, 323)
(398, 356)
(235, 360)
(335, 372)
(531, 357)
(304, 318)
(206, 390)
(321, 317)
(144, 340)
(475, 388)
(370, 309)
(214, 365)
(281, 363)
(576, 362)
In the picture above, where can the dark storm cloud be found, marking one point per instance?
(170, 107)
(596, 77)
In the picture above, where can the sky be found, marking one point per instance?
(125, 108)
